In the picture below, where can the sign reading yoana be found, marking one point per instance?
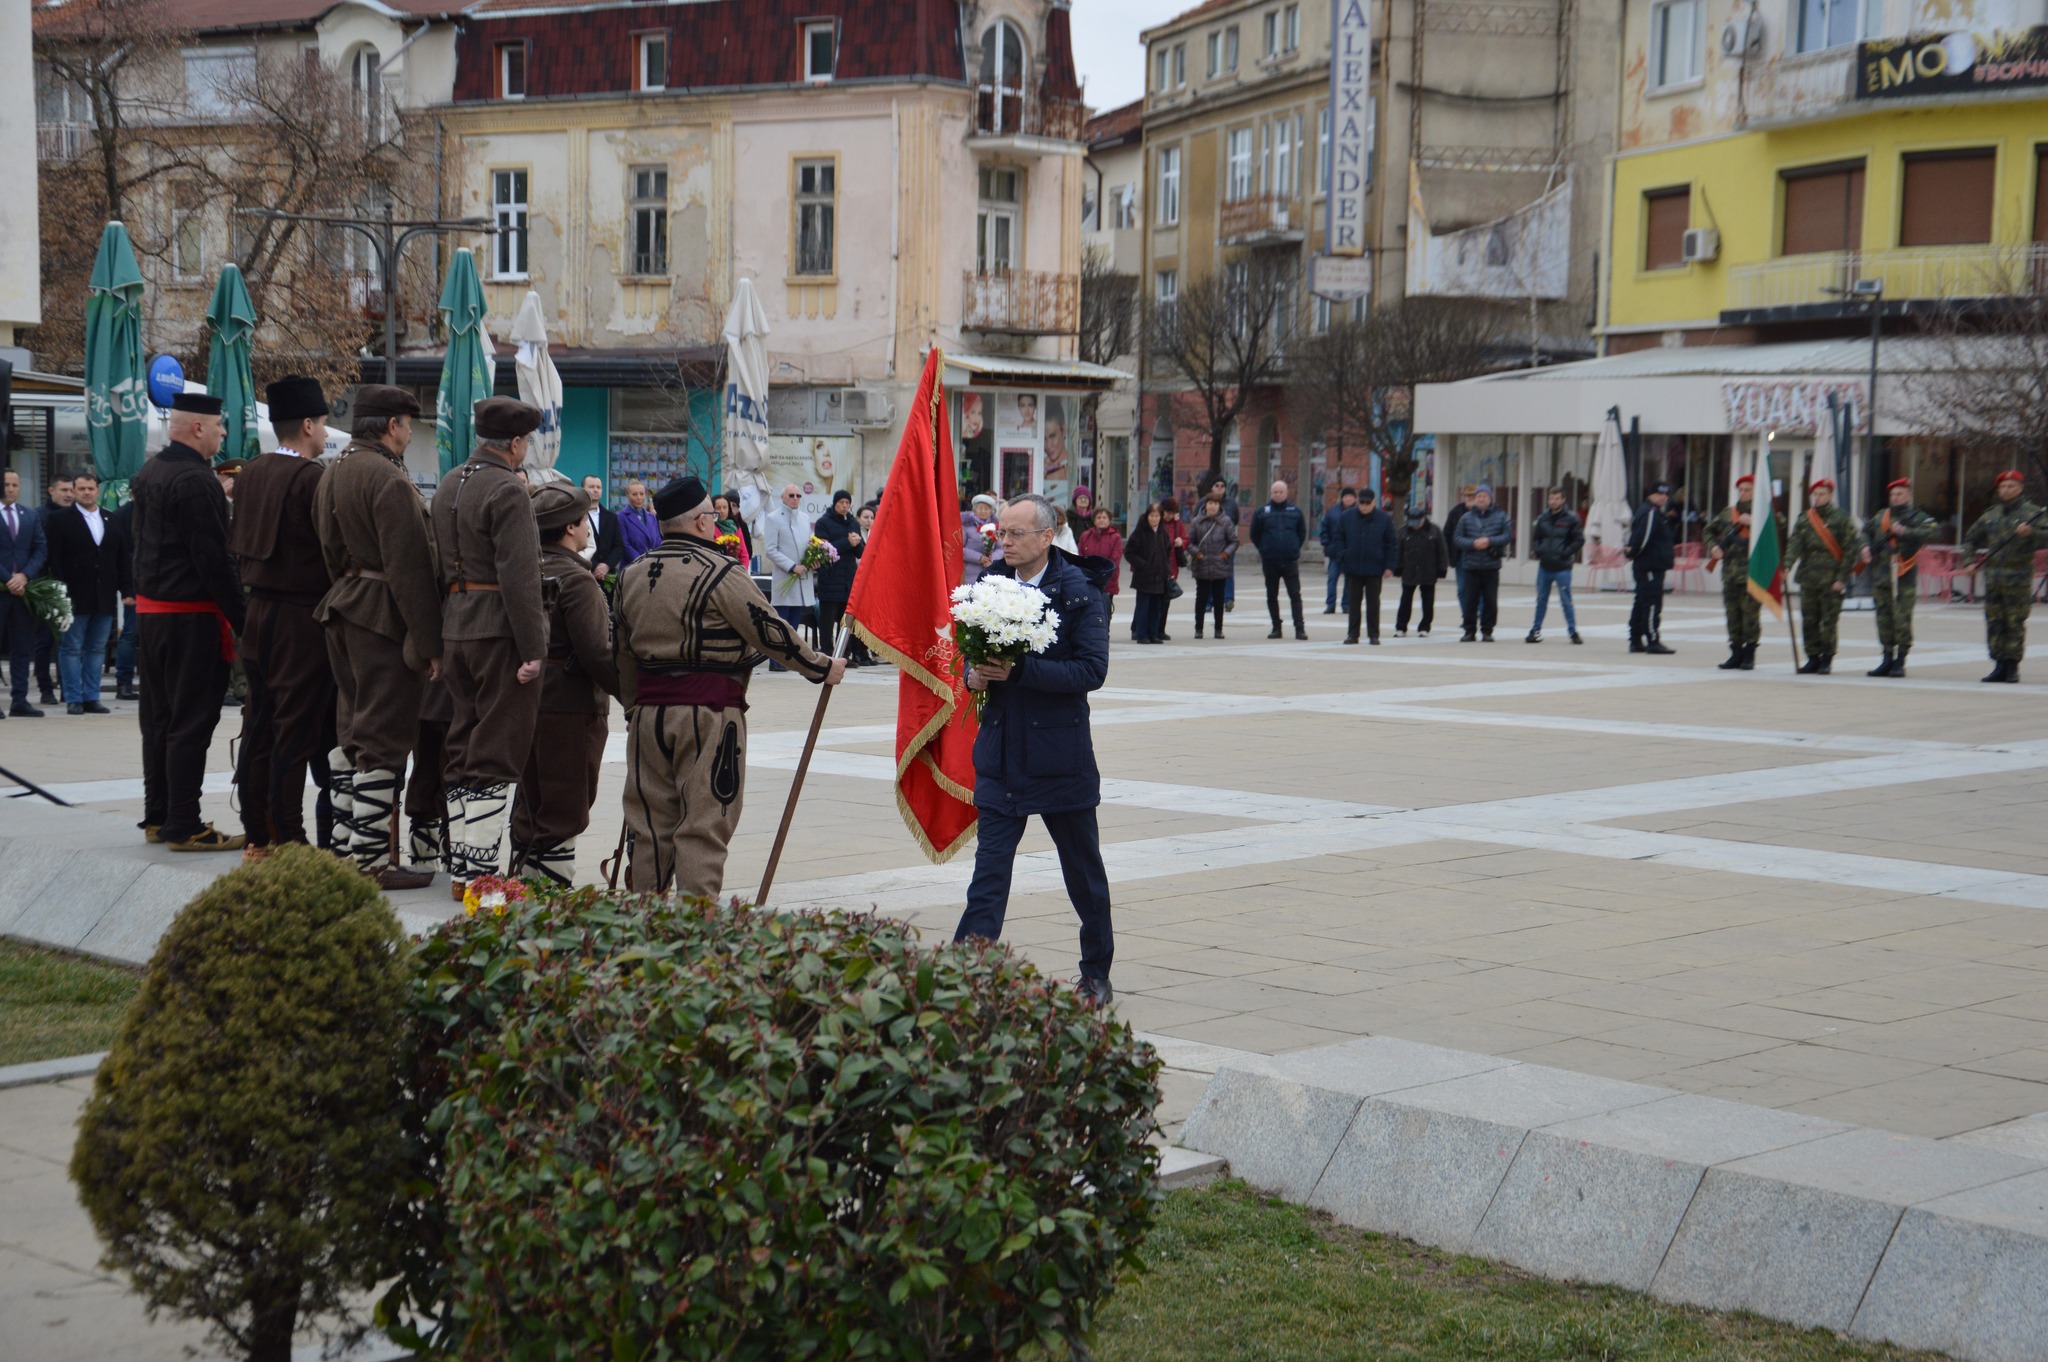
(1350, 125)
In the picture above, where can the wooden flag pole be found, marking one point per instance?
(1792, 632)
(803, 766)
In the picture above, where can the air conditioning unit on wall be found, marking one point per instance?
(859, 407)
(1742, 37)
(1701, 244)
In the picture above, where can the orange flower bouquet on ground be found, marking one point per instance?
(493, 892)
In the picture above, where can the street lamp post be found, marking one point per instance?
(388, 237)
(1871, 289)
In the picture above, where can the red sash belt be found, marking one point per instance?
(707, 689)
(146, 605)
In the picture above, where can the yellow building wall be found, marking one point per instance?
(1735, 188)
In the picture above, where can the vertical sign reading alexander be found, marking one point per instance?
(1350, 126)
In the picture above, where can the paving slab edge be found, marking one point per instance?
(1924, 1243)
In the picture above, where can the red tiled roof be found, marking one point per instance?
(1115, 124)
(202, 16)
(1060, 80)
(713, 44)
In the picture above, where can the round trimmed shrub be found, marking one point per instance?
(243, 1151)
(669, 1129)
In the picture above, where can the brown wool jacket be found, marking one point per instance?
(273, 532)
(370, 519)
(684, 607)
(581, 675)
(484, 533)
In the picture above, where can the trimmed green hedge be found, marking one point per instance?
(670, 1129)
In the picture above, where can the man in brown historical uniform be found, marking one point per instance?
(691, 629)
(559, 783)
(495, 632)
(289, 720)
(188, 603)
(382, 619)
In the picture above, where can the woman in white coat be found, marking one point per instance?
(785, 533)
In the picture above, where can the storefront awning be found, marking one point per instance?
(1025, 371)
(1703, 390)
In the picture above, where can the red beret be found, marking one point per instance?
(1745, 478)
(1906, 483)
(1819, 483)
(2013, 475)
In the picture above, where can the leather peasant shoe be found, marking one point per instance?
(210, 838)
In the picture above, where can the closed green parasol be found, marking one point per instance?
(116, 395)
(231, 325)
(466, 373)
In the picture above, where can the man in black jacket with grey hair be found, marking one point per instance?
(1650, 555)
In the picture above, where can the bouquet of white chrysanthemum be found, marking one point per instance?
(999, 619)
(49, 600)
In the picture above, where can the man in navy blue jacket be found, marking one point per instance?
(1369, 552)
(1279, 530)
(1034, 754)
(23, 553)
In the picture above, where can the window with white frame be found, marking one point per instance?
(1169, 186)
(1326, 314)
(1003, 69)
(1165, 295)
(1272, 31)
(1162, 58)
(512, 70)
(217, 79)
(1180, 65)
(650, 221)
(1215, 55)
(508, 212)
(650, 61)
(1676, 47)
(1834, 23)
(188, 233)
(821, 49)
(817, 202)
(1290, 39)
(996, 221)
(1123, 206)
(1237, 180)
(366, 92)
(1230, 48)
(1279, 148)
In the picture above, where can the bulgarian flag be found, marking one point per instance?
(1766, 559)
(902, 607)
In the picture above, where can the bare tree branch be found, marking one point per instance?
(1226, 336)
(1987, 386)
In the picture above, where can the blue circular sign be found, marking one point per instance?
(166, 380)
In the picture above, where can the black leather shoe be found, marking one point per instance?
(1469, 636)
(1635, 645)
(127, 692)
(1574, 635)
(1096, 992)
(95, 707)
(1659, 649)
(1533, 637)
(1274, 632)
(22, 709)
(48, 697)
(75, 707)
(1299, 632)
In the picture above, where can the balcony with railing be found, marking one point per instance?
(1260, 219)
(1818, 284)
(1022, 302)
(1018, 119)
(62, 141)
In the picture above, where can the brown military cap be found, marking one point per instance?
(382, 402)
(505, 418)
(556, 504)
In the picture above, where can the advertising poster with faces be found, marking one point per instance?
(973, 443)
(1062, 456)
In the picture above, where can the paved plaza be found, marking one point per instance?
(1820, 894)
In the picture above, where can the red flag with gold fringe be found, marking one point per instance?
(902, 607)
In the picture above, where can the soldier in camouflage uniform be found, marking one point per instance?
(1823, 555)
(2006, 538)
(1728, 532)
(1895, 533)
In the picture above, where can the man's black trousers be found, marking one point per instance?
(1079, 844)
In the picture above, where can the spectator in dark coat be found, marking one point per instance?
(1333, 572)
(1451, 519)
(1034, 753)
(83, 556)
(607, 551)
(1150, 554)
(1101, 540)
(841, 530)
(1217, 486)
(24, 551)
(1483, 537)
(1212, 542)
(1425, 559)
(1651, 553)
(1556, 537)
(1370, 553)
(1176, 532)
(1279, 530)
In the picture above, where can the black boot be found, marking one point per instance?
(1827, 665)
(1998, 666)
(1734, 658)
(1899, 663)
(1883, 668)
(1812, 665)
(2012, 672)
(1748, 663)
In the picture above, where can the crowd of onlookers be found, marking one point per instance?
(1364, 547)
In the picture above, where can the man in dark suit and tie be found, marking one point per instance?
(23, 554)
(1034, 754)
(83, 550)
(605, 550)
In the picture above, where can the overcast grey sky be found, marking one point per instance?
(1106, 50)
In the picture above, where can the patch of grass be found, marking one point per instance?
(53, 1005)
(1236, 1276)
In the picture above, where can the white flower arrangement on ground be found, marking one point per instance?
(999, 619)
